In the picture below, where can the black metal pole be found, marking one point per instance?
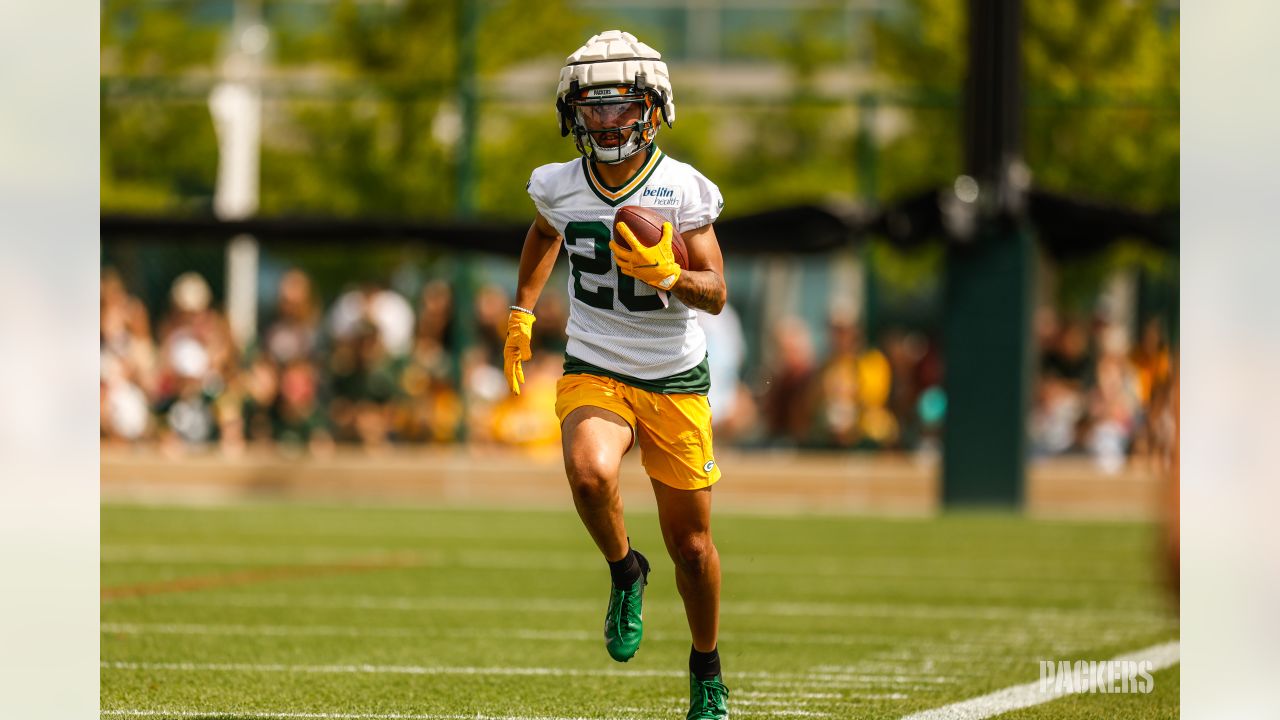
(993, 91)
(989, 276)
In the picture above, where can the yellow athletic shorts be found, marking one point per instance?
(673, 431)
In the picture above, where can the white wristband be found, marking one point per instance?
(526, 311)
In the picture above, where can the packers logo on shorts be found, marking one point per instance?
(710, 464)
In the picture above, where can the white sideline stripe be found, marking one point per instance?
(535, 671)
(1063, 617)
(1030, 694)
(129, 712)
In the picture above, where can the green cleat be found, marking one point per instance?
(708, 699)
(624, 621)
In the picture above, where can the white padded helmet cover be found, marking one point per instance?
(613, 58)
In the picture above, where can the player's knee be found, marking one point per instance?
(592, 482)
(590, 492)
(693, 552)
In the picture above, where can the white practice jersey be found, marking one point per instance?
(616, 322)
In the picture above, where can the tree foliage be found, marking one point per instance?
(368, 141)
(1101, 81)
(362, 106)
(157, 153)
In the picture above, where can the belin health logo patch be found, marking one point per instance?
(658, 196)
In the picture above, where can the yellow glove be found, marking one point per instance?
(519, 333)
(654, 266)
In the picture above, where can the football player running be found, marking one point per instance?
(635, 368)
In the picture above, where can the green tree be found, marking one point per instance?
(1101, 81)
(158, 150)
(776, 151)
(1101, 119)
(802, 148)
(354, 103)
(383, 151)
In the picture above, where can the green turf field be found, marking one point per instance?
(284, 611)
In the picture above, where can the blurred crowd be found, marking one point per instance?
(374, 369)
(853, 395)
(1100, 394)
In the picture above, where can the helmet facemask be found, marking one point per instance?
(614, 67)
(612, 123)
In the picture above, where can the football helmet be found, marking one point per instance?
(612, 84)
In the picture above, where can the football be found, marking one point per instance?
(646, 225)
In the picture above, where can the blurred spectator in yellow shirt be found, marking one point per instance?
(851, 391)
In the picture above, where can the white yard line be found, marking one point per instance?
(979, 644)
(245, 715)
(677, 709)
(740, 702)
(127, 712)
(810, 562)
(789, 685)
(383, 669)
(903, 570)
(338, 631)
(377, 602)
(1030, 694)
(793, 695)
(848, 679)
(784, 712)
(1061, 618)
(247, 555)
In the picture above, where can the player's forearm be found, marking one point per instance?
(537, 259)
(701, 289)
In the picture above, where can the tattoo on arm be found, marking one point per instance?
(701, 289)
